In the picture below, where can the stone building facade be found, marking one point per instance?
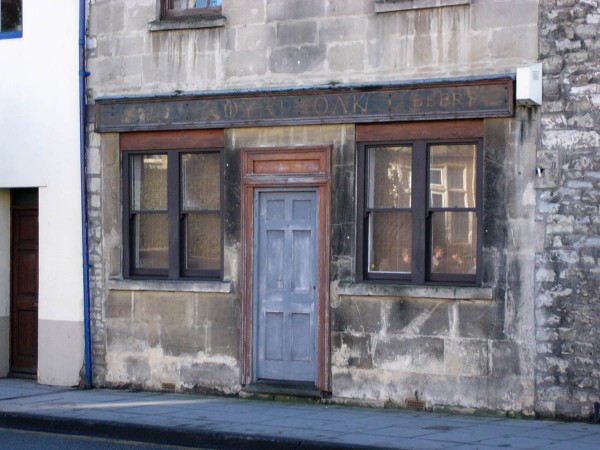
(373, 165)
(567, 368)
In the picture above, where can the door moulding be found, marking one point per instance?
(287, 167)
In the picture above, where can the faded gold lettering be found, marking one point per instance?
(357, 106)
(417, 101)
(267, 109)
(472, 99)
(321, 105)
(444, 100)
(247, 106)
(339, 102)
(230, 109)
(456, 99)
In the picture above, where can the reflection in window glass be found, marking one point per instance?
(390, 242)
(189, 4)
(152, 241)
(454, 242)
(202, 242)
(201, 181)
(454, 231)
(149, 182)
(389, 178)
(11, 17)
(458, 163)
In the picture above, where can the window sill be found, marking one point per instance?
(415, 292)
(220, 287)
(383, 6)
(188, 23)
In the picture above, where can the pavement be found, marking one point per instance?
(227, 422)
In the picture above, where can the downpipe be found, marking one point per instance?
(84, 216)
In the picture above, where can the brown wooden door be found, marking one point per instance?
(24, 290)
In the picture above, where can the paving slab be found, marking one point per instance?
(227, 422)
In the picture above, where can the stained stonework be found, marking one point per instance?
(457, 347)
(568, 195)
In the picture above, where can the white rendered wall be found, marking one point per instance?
(39, 125)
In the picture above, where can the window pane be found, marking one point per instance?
(454, 246)
(201, 181)
(11, 16)
(188, 4)
(203, 242)
(151, 241)
(389, 177)
(149, 182)
(390, 242)
(459, 164)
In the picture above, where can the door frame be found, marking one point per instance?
(283, 168)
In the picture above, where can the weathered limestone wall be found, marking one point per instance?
(567, 273)
(151, 334)
(457, 348)
(305, 42)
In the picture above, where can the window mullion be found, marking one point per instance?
(420, 211)
(174, 214)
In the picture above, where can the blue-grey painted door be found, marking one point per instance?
(285, 285)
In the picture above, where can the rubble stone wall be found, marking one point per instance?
(567, 268)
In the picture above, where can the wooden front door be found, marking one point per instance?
(286, 280)
(24, 287)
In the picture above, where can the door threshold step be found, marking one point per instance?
(283, 389)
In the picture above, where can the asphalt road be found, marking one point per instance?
(33, 440)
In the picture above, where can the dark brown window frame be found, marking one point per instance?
(208, 12)
(174, 145)
(420, 137)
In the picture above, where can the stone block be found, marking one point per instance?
(343, 30)
(119, 305)
(504, 14)
(252, 37)
(346, 58)
(182, 340)
(297, 59)
(106, 17)
(167, 308)
(253, 11)
(220, 311)
(138, 370)
(505, 359)
(296, 33)
(349, 7)
(147, 334)
(418, 317)
(224, 341)
(246, 63)
(126, 337)
(412, 354)
(358, 349)
(208, 375)
(281, 10)
(361, 316)
(517, 42)
(466, 357)
(342, 240)
(477, 320)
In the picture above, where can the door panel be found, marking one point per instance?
(285, 268)
(24, 290)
